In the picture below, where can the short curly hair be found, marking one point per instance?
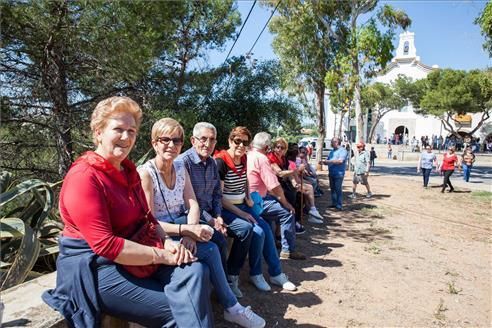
(107, 108)
(238, 131)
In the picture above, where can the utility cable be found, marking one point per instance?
(237, 36)
(266, 24)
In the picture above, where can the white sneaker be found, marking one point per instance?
(312, 219)
(234, 284)
(283, 281)
(314, 212)
(369, 195)
(353, 196)
(260, 283)
(245, 318)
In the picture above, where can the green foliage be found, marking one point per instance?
(446, 93)
(379, 99)
(60, 58)
(308, 35)
(370, 46)
(485, 23)
(456, 92)
(251, 98)
(24, 210)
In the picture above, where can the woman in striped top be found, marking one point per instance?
(237, 209)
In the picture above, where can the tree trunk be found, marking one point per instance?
(374, 122)
(320, 104)
(340, 125)
(359, 120)
(54, 79)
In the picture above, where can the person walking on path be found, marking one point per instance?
(372, 156)
(468, 158)
(361, 171)
(336, 161)
(427, 159)
(449, 162)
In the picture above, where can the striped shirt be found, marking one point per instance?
(234, 184)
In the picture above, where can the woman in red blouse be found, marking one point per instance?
(449, 162)
(102, 205)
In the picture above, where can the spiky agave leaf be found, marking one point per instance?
(27, 253)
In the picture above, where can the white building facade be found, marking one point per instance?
(407, 63)
(405, 121)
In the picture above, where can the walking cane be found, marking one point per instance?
(302, 200)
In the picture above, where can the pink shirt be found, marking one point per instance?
(261, 177)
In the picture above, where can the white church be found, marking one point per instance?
(406, 121)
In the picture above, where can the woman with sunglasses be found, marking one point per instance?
(237, 207)
(427, 159)
(171, 198)
(288, 173)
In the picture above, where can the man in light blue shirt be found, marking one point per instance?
(336, 162)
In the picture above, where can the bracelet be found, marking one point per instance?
(154, 255)
(179, 230)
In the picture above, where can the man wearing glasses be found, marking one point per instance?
(205, 179)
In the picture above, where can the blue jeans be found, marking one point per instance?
(242, 232)
(273, 211)
(172, 297)
(336, 183)
(217, 238)
(214, 254)
(426, 174)
(262, 242)
(466, 172)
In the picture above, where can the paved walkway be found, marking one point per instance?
(481, 175)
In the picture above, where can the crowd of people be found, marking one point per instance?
(149, 244)
(446, 165)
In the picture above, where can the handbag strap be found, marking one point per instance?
(156, 175)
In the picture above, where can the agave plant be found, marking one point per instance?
(25, 210)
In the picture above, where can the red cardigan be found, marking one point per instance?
(100, 204)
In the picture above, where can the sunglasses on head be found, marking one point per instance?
(238, 141)
(166, 141)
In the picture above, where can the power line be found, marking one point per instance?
(237, 36)
(266, 24)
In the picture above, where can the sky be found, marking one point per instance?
(445, 33)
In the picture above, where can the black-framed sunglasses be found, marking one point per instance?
(238, 141)
(280, 147)
(166, 141)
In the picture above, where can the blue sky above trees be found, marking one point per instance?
(444, 33)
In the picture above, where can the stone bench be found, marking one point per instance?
(25, 308)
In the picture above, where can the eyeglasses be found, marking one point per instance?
(166, 141)
(205, 140)
(238, 141)
(279, 147)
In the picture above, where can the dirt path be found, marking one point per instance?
(407, 257)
